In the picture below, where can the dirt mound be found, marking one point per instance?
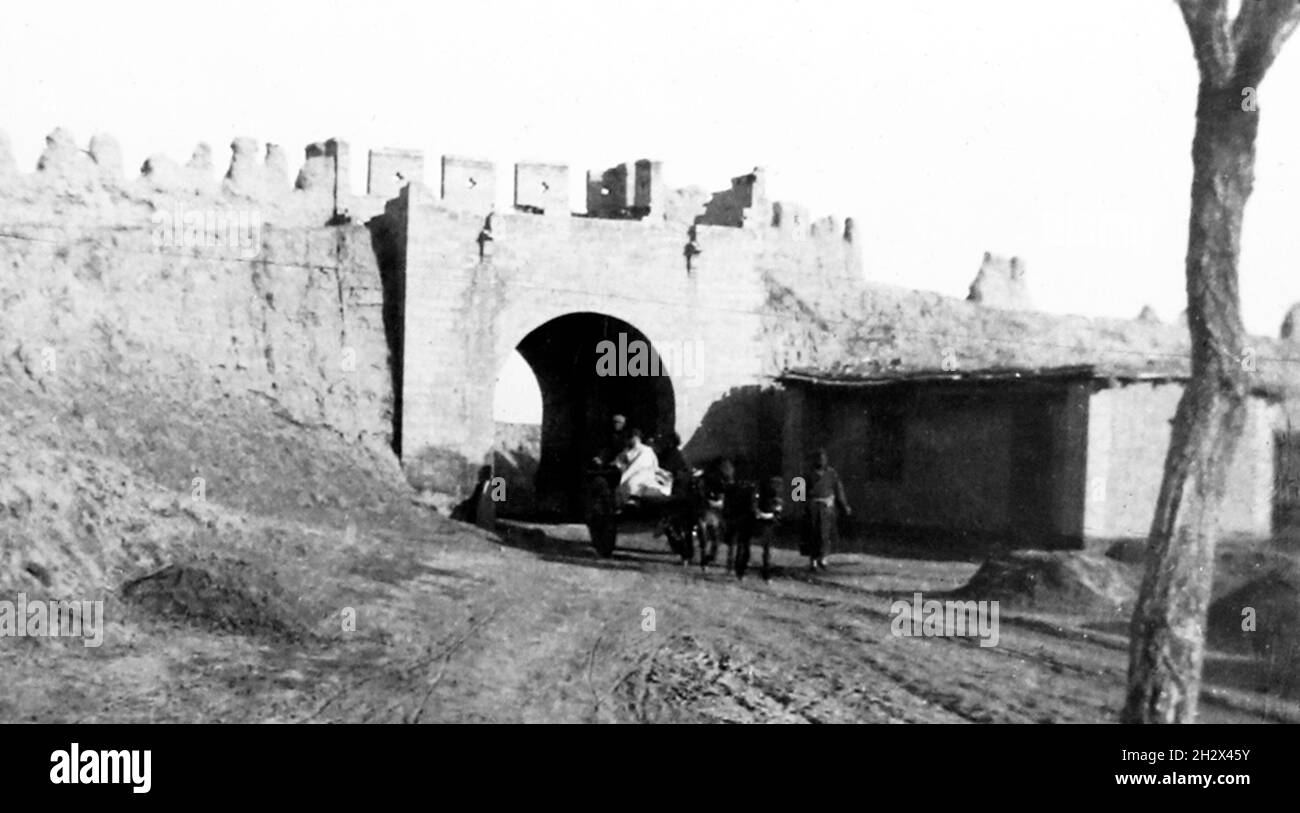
(146, 394)
(78, 525)
(1062, 581)
(243, 452)
(107, 484)
(225, 595)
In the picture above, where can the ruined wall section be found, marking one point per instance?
(180, 280)
(91, 183)
(300, 326)
(868, 328)
(871, 327)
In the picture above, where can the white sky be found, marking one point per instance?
(1056, 131)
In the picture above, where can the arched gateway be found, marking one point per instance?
(682, 305)
(589, 367)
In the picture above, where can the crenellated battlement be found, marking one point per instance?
(322, 190)
(255, 176)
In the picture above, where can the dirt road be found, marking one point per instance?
(454, 626)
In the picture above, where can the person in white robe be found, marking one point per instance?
(642, 476)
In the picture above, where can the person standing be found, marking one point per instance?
(825, 499)
(752, 513)
(478, 508)
(674, 462)
(677, 522)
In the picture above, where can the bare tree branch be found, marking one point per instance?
(1207, 22)
(1258, 33)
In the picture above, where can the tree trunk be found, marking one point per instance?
(1168, 629)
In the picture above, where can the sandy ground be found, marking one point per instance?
(461, 626)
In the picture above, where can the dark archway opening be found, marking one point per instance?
(579, 399)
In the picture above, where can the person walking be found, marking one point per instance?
(825, 499)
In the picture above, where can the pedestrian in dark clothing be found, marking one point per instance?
(752, 513)
(472, 509)
(825, 499)
(718, 480)
(679, 517)
(600, 511)
(615, 443)
(674, 462)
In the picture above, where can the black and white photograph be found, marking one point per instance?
(786, 361)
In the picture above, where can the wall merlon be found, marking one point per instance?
(468, 184)
(389, 169)
(324, 177)
(277, 167)
(341, 152)
(201, 158)
(542, 188)
(63, 159)
(649, 193)
(107, 155)
(634, 189)
(609, 192)
(744, 205)
(790, 218)
(246, 176)
(317, 172)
